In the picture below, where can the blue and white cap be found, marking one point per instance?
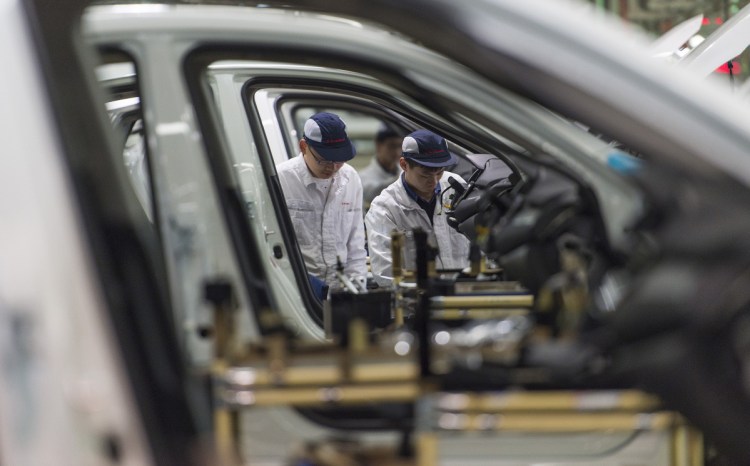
(428, 149)
(326, 133)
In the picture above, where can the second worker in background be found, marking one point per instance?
(383, 168)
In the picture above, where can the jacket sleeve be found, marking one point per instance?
(379, 224)
(356, 255)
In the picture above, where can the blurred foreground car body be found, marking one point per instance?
(142, 271)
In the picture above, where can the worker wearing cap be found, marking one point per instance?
(416, 200)
(324, 198)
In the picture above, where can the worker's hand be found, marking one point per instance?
(360, 282)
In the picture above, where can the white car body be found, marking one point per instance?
(723, 45)
(669, 45)
(49, 279)
(64, 394)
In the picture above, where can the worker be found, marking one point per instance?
(324, 198)
(384, 168)
(417, 200)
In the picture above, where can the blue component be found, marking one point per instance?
(624, 163)
(320, 288)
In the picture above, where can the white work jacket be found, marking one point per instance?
(327, 222)
(374, 179)
(395, 209)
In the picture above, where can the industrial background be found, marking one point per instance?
(658, 16)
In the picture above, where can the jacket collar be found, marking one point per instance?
(412, 194)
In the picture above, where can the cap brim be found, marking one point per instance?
(338, 153)
(431, 162)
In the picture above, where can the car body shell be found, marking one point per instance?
(561, 59)
(156, 36)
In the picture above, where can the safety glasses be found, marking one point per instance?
(321, 161)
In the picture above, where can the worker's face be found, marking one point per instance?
(388, 150)
(318, 166)
(422, 180)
